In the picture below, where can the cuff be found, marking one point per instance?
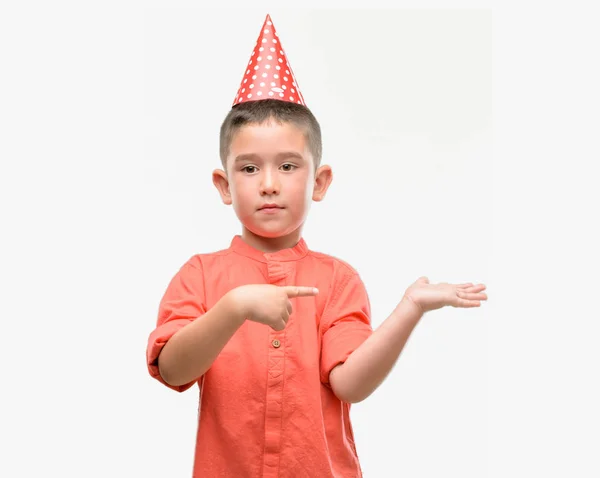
(339, 342)
(157, 340)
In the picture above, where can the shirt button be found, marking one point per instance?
(276, 343)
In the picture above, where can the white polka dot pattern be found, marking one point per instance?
(266, 66)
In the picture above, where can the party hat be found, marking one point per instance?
(268, 74)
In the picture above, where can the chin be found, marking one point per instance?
(270, 233)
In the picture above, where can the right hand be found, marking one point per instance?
(269, 304)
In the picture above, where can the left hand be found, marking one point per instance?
(435, 296)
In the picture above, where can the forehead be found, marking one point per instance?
(268, 140)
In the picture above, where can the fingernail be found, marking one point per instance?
(315, 290)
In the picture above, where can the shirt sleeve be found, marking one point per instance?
(346, 323)
(182, 302)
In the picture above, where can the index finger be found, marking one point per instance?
(300, 291)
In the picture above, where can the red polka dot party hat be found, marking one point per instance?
(268, 74)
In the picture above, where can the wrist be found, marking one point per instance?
(238, 310)
(411, 308)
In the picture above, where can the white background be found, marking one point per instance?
(108, 135)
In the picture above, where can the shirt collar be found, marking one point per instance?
(294, 253)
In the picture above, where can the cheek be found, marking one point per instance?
(301, 191)
(240, 196)
(239, 188)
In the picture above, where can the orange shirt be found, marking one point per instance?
(266, 407)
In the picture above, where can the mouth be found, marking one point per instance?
(270, 208)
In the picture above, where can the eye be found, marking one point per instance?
(288, 167)
(249, 169)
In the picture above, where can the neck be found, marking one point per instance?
(271, 244)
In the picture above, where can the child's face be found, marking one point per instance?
(271, 164)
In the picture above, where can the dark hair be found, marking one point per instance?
(261, 111)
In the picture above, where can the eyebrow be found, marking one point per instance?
(283, 155)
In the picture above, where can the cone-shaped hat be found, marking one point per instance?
(268, 74)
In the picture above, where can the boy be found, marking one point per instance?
(278, 337)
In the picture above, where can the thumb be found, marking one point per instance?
(299, 291)
(423, 280)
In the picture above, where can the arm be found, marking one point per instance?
(190, 352)
(367, 367)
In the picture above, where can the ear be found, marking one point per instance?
(323, 178)
(221, 182)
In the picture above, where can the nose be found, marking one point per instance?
(270, 183)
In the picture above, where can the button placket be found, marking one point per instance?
(277, 274)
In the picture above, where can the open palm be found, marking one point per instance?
(434, 296)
